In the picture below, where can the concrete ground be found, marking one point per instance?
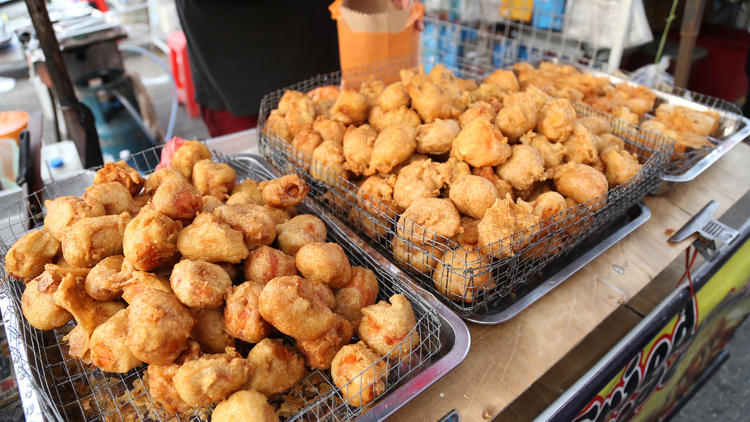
(724, 398)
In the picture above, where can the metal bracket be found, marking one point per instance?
(709, 229)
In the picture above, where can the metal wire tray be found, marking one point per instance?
(54, 386)
(525, 252)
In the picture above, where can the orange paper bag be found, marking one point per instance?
(372, 31)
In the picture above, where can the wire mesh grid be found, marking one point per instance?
(66, 389)
(473, 280)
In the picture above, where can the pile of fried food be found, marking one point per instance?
(689, 128)
(457, 160)
(179, 269)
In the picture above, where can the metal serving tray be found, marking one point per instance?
(54, 386)
(560, 269)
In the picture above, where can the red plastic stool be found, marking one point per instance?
(178, 61)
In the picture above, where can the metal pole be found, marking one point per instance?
(78, 118)
(691, 21)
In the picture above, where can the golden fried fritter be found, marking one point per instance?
(160, 176)
(90, 240)
(244, 405)
(104, 281)
(503, 219)
(266, 263)
(389, 329)
(299, 113)
(420, 179)
(472, 195)
(150, 240)
(277, 367)
(319, 352)
(177, 199)
(503, 187)
(468, 236)
(242, 318)
(595, 124)
(358, 145)
(481, 144)
(393, 146)
(580, 182)
(461, 274)
(420, 258)
(479, 110)
(518, 115)
(371, 89)
(324, 262)
(299, 231)
(359, 373)
(401, 116)
(212, 178)
(113, 197)
(209, 330)
(329, 129)
(158, 326)
(121, 173)
(437, 137)
(523, 168)
(427, 219)
(209, 239)
(251, 188)
(38, 303)
(549, 204)
(189, 153)
(64, 211)
(295, 307)
(211, 378)
(360, 291)
(580, 146)
(620, 165)
(328, 162)
(552, 153)
(556, 120)
(109, 351)
(505, 79)
(28, 255)
(276, 125)
(393, 96)
(350, 108)
(200, 284)
(255, 222)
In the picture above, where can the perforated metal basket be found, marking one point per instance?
(54, 386)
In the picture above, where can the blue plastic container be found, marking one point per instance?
(548, 14)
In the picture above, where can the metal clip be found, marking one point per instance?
(710, 230)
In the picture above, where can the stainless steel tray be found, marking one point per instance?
(43, 385)
(560, 269)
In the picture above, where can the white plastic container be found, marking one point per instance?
(60, 160)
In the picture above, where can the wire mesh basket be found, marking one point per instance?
(470, 279)
(55, 386)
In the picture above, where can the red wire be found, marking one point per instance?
(688, 265)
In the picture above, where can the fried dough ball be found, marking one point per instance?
(420, 179)
(300, 112)
(608, 141)
(276, 125)
(108, 349)
(360, 291)
(210, 203)
(432, 101)
(140, 281)
(468, 238)
(28, 255)
(549, 204)
(358, 145)
(150, 240)
(121, 173)
(253, 221)
(189, 153)
(299, 231)
(161, 388)
(209, 239)
(371, 89)
(305, 141)
(88, 313)
(595, 124)
(104, 281)
(620, 166)
(212, 178)
(64, 211)
(329, 129)
(295, 307)
(481, 144)
(385, 325)
(502, 186)
(518, 116)
(393, 146)
(428, 218)
(328, 162)
(251, 188)
(489, 93)
(79, 337)
(266, 263)
(503, 219)
(160, 176)
(350, 108)
(158, 326)
(326, 263)
(580, 146)
(552, 153)
(200, 284)
(38, 303)
(437, 137)
(478, 110)
(177, 199)
(523, 168)
(242, 319)
(277, 367)
(420, 258)
(244, 405)
(359, 373)
(556, 120)
(209, 331)
(401, 116)
(580, 182)
(90, 240)
(462, 273)
(505, 79)
(320, 351)
(114, 197)
(211, 378)
(393, 96)
(472, 195)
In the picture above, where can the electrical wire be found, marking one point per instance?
(160, 63)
